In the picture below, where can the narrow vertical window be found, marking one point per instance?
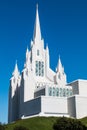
(57, 92)
(42, 69)
(61, 92)
(71, 92)
(38, 53)
(50, 91)
(67, 92)
(64, 92)
(53, 91)
(37, 68)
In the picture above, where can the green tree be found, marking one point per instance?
(64, 123)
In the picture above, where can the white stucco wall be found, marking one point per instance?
(81, 106)
(82, 87)
(54, 106)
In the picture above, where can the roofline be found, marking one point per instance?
(77, 81)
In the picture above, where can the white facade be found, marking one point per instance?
(39, 91)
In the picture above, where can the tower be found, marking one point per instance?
(60, 74)
(14, 95)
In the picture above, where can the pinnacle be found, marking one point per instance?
(37, 31)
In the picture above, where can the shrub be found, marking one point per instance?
(68, 124)
(20, 128)
(2, 127)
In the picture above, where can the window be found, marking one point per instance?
(64, 92)
(50, 91)
(53, 91)
(42, 69)
(38, 53)
(67, 92)
(39, 70)
(57, 92)
(61, 92)
(71, 93)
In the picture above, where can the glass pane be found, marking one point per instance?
(53, 91)
(57, 92)
(37, 52)
(50, 91)
(61, 93)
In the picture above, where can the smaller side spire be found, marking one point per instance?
(27, 51)
(27, 61)
(47, 47)
(60, 74)
(16, 71)
(59, 66)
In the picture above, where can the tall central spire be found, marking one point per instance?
(37, 31)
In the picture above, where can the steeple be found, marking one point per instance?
(27, 62)
(27, 51)
(16, 71)
(47, 48)
(59, 66)
(37, 31)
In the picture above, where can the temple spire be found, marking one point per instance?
(16, 71)
(37, 31)
(59, 67)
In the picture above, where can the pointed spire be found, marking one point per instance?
(37, 31)
(47, 47)
(27, 51)
(16, 72)
(27, 61)
(59, 67)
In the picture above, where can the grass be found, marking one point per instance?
(38, 123)
(84, 121)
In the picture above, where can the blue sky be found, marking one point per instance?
(63, 27)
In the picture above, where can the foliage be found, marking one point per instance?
(38, 123)
(2, 127)
(20, 128)
(64, 123)
(84, 121)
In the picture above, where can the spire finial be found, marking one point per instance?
(27, 49)
(59, 56)
(16, 72)
(36, 6)
(37, 31)
(59, 66)
(16, 62)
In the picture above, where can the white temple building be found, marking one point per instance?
(39, 91)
